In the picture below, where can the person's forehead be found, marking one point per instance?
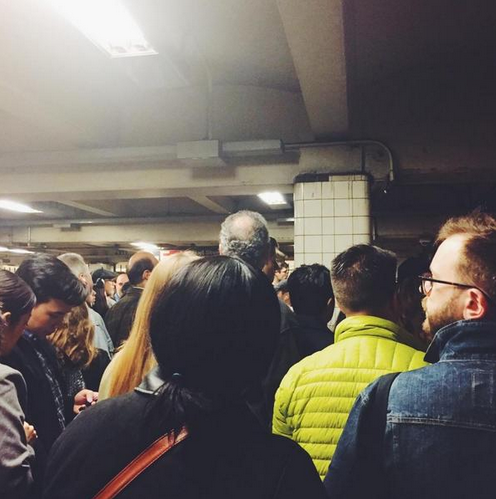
(445, 261)
(122, 278)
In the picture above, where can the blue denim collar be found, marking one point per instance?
(463, 340)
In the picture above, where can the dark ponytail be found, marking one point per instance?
(175, 405)
(213, 331)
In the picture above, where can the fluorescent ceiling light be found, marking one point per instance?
(272, 198)
(3, 248)
(146, 246)
(108, 24)
(19, 207)
(20, 251)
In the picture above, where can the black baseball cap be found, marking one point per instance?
(103, 274)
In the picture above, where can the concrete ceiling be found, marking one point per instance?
(93, 141)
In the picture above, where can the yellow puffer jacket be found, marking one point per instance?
(317, 394)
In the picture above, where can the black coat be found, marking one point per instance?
(307, 336)
(235, 459)
(119, 319)
(41, 409)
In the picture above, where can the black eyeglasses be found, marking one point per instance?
(427, 282)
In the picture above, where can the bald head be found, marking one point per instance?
(244, 234)
(139, 267)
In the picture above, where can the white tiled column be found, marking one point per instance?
(330, 217)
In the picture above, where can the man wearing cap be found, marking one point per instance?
(108, 277)
(120, 317)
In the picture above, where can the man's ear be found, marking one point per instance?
(476, 305)
(330, 308)
(330, 304)
(146, 275)
(6, 317)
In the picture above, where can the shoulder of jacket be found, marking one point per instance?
(10, 377)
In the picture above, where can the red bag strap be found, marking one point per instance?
(140, 464)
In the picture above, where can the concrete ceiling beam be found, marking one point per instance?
(88, 208)
(315, 34)
(79, 184)
(182, 232)
(51, 160)
(209, 204)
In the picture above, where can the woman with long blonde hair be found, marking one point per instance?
(135, 358)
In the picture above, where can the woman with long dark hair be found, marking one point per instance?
(213, 331)
(16, 455)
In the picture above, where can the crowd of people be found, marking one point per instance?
(220, 376)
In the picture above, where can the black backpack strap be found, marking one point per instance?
(376, 423)
(379, 407)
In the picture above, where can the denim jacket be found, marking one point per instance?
(440, 438)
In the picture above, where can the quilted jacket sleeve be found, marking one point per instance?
(281, 422)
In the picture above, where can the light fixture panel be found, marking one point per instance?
(20, 251)
(5, 204)
(272, 198)
(146, 246)
(108, 24)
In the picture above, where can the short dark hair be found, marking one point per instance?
(16, 296)
(50, 278)
(364, 277)
(478, 261)
(216, 323)
(310, 289)
(135, 272)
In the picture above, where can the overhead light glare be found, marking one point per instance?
(18, 207)
(20, 251)
(108, 24)
(3, 248)
(272, 198)
(146, 246)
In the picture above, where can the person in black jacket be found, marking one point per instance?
(57, 291)
(312, 298)
(213, 331)
(119, 319)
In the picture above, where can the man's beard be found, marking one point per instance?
(434, 321)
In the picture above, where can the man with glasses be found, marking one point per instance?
(439, 436)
